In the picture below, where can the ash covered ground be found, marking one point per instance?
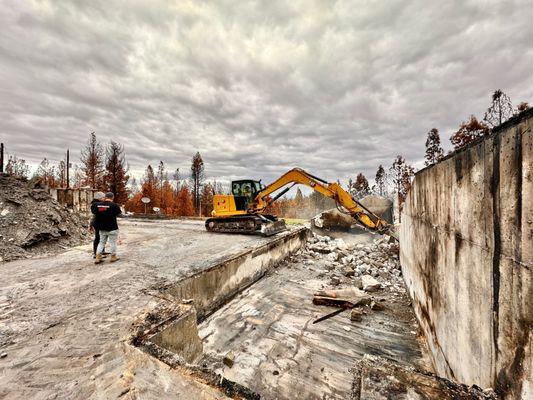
(32, 223)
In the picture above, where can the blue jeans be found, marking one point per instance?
(112, 236)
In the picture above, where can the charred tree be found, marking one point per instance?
(92, 163)
(197, 179)
(434, 151)
(116, 178)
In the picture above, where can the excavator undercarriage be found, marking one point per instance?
(267, 225)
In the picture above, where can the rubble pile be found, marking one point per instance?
(369, 266)
(363, 277)
(32, 222)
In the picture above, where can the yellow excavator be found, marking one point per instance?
(244, 210)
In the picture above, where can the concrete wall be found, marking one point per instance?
(466, 253)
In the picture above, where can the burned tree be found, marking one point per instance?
(468, 132)
(92, 161)
(197, 178)
(208, 192)
(62, 174)
(360, 188)
(116, 178)
(46, 172)
(160, 180)
(17, 167)
(401, 177)
(149, 184)
(500, 110)
(434, 151)
(177, 179)
(379, 187)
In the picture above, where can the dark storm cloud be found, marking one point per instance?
(257, 87)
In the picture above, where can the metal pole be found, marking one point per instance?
(68, 161)
(1, 158)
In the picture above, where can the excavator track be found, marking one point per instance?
(265, 225)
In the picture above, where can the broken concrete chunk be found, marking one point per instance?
(335, 281)
(329, 265)
(376, 306)
(320, 247)
(358, 283)
(229, 359)
(340, 244)
(348, 271)
(318, 222)
(332, 256)
(363, 268)
(370, 284)
(356, 315)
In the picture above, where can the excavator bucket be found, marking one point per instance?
(272, 227)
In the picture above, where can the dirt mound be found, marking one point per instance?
(31, 222)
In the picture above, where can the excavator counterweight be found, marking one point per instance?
(243, 211)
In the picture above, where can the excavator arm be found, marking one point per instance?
(332, 190)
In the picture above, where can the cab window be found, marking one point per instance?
(236, 189)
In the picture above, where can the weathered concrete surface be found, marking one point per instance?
(181, 337)
(466, 254)
(281, 354)
(378, 379)
(64, 322)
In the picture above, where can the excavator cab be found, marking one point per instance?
(244, 191)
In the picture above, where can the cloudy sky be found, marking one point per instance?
(336, 87)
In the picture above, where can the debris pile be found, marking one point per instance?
(369, 266)
(358, 276)
(32, 222)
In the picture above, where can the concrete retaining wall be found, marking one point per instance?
(212, 287)
(466, 253)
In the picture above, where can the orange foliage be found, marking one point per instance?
(183, 204)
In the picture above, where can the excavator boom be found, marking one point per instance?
(332, 190)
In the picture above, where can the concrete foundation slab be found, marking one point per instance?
(65, 322)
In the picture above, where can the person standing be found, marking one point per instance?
(105, 220)
(98, 196)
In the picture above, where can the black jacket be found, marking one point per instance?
(105, 215)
